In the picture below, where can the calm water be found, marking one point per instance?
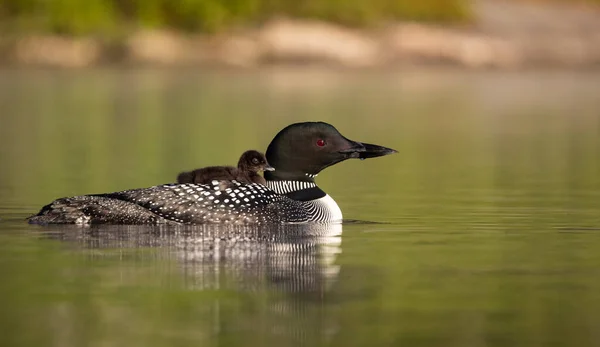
(487, 225)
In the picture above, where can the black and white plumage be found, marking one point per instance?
(298, 153)
(190, 204)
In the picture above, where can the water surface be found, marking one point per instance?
(487, 221)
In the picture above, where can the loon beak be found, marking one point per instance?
(373, 151)
(268, 168)
(366, 150)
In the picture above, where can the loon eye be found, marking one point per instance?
(320, 142)
(255, 161)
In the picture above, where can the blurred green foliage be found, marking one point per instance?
(102, 17)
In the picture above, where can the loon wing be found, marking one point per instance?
(177, 204)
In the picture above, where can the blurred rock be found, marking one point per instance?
(551, 34)
(239, 51)
(309, 41)
(416, 42)
(155, 47)
(56, 51)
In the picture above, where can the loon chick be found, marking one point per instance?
(250, 164)
(298, 153)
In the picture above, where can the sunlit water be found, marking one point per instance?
(486, 224)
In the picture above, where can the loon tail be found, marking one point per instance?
(89, 209)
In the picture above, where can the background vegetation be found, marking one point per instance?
(110, 17)
(103, 17)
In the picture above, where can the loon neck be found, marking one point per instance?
(304, 190)
(289, 176)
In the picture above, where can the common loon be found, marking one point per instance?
(298, 153)
(250, 164)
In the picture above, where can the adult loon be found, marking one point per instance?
(298, 153)
(250, 164)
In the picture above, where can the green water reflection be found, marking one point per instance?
(491, 210)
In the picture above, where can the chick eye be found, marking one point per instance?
(320, 142)
(255, 161)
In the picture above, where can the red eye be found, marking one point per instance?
(320, 143)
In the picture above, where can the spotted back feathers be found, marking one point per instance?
(236, 203)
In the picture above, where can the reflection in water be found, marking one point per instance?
(213, 285)
(280, 276)
(291, 258)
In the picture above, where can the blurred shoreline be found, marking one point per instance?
(502, 35)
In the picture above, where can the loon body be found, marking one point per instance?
(250, 164)
(298, 153)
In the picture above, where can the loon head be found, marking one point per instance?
(302, 150)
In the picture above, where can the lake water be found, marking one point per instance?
(484, 230)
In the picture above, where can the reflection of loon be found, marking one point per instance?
(287, 259)
(272, 281)
(298, 153)
(298, 258)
